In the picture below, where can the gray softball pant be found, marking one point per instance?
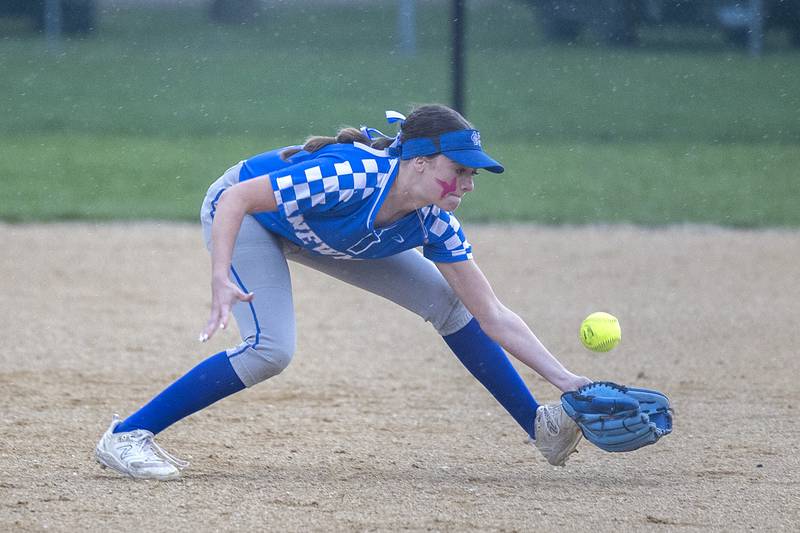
(267, 324)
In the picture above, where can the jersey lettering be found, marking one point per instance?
(324, 249)
(303, 232)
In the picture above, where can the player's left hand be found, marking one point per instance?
(578, 382)
(224, 294)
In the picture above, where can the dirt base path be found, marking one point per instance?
(375, 426)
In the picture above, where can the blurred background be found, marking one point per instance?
(606, 111)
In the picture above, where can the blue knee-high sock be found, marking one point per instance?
(485, 359)
(211, 380)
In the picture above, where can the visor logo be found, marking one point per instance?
(476, 138)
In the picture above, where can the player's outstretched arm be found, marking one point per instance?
(252, 196)
(505, 326)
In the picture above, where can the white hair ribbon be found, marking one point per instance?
(391, 118)
(394, 116)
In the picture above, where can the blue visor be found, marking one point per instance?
(462, 146)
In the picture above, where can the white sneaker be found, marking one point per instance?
(135, 454)
(557, 435)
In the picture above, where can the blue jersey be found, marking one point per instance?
(328, 200)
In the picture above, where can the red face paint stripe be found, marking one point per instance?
(447, 188)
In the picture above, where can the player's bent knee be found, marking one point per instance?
(452, 317)
(256, 363)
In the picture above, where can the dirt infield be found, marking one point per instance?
(375, 426)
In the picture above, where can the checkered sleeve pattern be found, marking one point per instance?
(446, 240)
(322, 184)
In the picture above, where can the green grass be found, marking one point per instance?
(646, 183)
(136, 121)
(116, 176)
(131, 177)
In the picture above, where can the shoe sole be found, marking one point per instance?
(561, 459)
(107, 461)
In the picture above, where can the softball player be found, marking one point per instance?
(356, 207)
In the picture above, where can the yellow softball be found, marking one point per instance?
(600, 332)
